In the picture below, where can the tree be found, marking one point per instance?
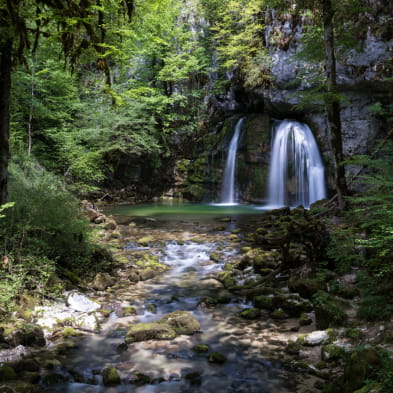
(332, 101)
(78, 25)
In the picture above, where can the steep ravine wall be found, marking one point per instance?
(362, 77)
(195, 172)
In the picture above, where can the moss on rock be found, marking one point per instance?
(110, 376)
(7, 373)
(149, 331)
(217, 358)
(201, 348)
(250, 313)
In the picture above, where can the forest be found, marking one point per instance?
(196, 196)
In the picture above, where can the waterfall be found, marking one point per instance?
(296, 174)
(228, 184)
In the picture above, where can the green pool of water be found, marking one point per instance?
(181, 210)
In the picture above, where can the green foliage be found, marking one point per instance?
(374, 214)
(343, 249)
(383, 111)
(375, 308)
(237, 31)
(27, 274)
(385, 372)
(45, 221)
(4, 207)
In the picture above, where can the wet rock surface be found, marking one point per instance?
(208, 316)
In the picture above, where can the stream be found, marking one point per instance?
(252, 348)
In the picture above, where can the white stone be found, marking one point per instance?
(88, 322)
(317, 337)
(81, 303)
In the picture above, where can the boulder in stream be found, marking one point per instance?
(182, 322)
(102, 281)
(110, 376)
(167, 328)
(149, 331)
(82, 303)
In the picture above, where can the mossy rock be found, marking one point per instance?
(7, 373)
(152, 308)
(306, 288)
(208, 302)
(362, 365)
(27, 388)
(305, 319)
(27, 364)
(31, 377)
(354, 333)
(201, 348)
(250, 313)
(279, 314)
(50, 364)
(293, 305)
(70, 332)
(329, 313)
(146, 274)
(53, 379)
(371, 388)
(293, 348)
(149, 331)
(182, 322)
(265, 271)
(145, 240)
(224, 299)
(115, 234)
(262, 301)
(110, 376)
(194, 378)
(30, 336)
(102, 281)
(332, 353)
(226, 278)
(217, 358)
(215, 256)
(140, 379)
(129, 310)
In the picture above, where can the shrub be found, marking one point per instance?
(375, 308)
(41, 232)
(45, 220)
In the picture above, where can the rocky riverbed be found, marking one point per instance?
(217, 305)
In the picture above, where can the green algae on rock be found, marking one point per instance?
(110, 376)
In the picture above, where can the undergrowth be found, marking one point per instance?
(43, 232)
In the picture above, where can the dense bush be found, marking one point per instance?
(46, 219)
(43, 231)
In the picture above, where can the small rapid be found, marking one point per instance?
(168, 364)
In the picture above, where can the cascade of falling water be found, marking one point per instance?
(228, 184)
(296, 174)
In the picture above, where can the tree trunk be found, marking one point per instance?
(5, 89)
(332, 102)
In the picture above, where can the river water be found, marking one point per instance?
(252, 348)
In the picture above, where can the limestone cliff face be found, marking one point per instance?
(361, 77)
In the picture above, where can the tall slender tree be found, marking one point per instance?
(79, 25)
(332, 101)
